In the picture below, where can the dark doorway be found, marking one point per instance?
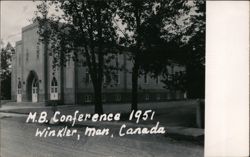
(32, 81)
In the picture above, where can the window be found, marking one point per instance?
(35, 83)
(118, 97)
(35, 86)
(168, 96)
(54, 82)
(54, 89)
(87, 77)
(88, 98)
(19, 85)
(106, 80)
(158, 97)
(54, 85)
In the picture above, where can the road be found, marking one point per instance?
(18, 140)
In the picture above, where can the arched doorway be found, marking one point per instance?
(32, 87)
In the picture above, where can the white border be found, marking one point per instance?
(227, 79)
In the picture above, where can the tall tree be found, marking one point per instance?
(190, 50)
(5, 73)
(182, 43)
(195, 51)
(148, 23)
(84, 29)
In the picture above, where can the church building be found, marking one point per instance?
(35, 80)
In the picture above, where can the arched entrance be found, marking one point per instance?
(32, 87)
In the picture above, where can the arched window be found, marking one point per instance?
(19, 85)
(35, 86)
(54, 89)
(87, 77)
(54, 85)
(54, 82)
(88, 98)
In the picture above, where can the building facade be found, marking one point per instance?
(34, 79)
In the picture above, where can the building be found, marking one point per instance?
(35, 80)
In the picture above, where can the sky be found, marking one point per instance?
(14, 16)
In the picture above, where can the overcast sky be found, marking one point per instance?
(14, 16)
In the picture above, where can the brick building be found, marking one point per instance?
(34, 79)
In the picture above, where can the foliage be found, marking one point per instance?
(155, 32)
(6, 54)
(194, 52)
(84, 32)
(185, 45)
(150, 27)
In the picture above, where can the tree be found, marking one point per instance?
(84, 29)
(191, 51)
(184, 45)
(5, 73)
(195, 49)
(148, 26)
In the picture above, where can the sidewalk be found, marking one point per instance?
(178, 117)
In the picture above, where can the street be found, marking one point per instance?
(18, 140)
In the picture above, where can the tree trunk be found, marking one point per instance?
(135, 70)
(135, 86)
(98, 89)
(46, 99)
(98, 100)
